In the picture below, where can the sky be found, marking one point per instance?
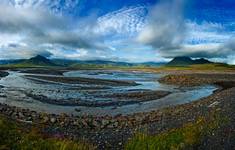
(118, 30)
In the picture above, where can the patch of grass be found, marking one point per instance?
(13, 137)
(185, 137)
(23, 65)
(215, 66)
(211, 67)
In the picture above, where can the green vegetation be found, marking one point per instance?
(178, 63)
(23, 65)
(13, 137)
(186, 137)
(211, 67)
(215, 66)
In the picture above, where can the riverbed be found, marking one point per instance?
(96, 92)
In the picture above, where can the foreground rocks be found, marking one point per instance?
(113, 132)
(3, 74)
(79, 122)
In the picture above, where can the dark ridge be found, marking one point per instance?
(185, 61)
(40, 61)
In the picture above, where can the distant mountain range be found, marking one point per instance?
(186, 61)
(9, 61)
(43, 61)
(103, 62)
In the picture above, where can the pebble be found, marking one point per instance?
(45, 119)
(53, 120)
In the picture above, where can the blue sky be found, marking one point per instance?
(118, 30)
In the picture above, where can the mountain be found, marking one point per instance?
(35, 61)
(42, 61)
(202, 61)
(39, 61)
(115, 63)
(100, 63)
(6, 62)
(186, 61)
(180, 61)
(150, 64)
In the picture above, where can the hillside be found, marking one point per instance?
(104, 63)
(40, 61)
(37, 61)
(186, 61)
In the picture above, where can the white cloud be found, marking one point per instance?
(38, 27)
(55, 6)
(126, 21)
(165, 27)
(131, 32)
(172, 35)
(206, 32)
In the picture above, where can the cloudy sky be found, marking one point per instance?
(118, 30)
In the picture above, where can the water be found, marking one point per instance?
(147, 81)
(16, 86)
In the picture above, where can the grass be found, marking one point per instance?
(24, 65)
(14, 137)
(216, 66)
(203, 67)
(186, 137)
(210, 67)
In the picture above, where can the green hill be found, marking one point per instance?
(37, 61)
(187, 61)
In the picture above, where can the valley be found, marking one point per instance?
(107, 107)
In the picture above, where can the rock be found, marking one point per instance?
(95, 123)
(104, 123)
(84, 123)
(62, 124)
(139, 118)
(20, 114)
(45, 119)
(14, 114)
(77, 110)
(76, 123)
(3, 96)
(33, 114)
(113, 125)
(3, 74)
(213, 104)
(53, 120)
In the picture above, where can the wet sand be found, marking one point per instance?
(79, 80)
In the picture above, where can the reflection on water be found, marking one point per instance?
(16, 86)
